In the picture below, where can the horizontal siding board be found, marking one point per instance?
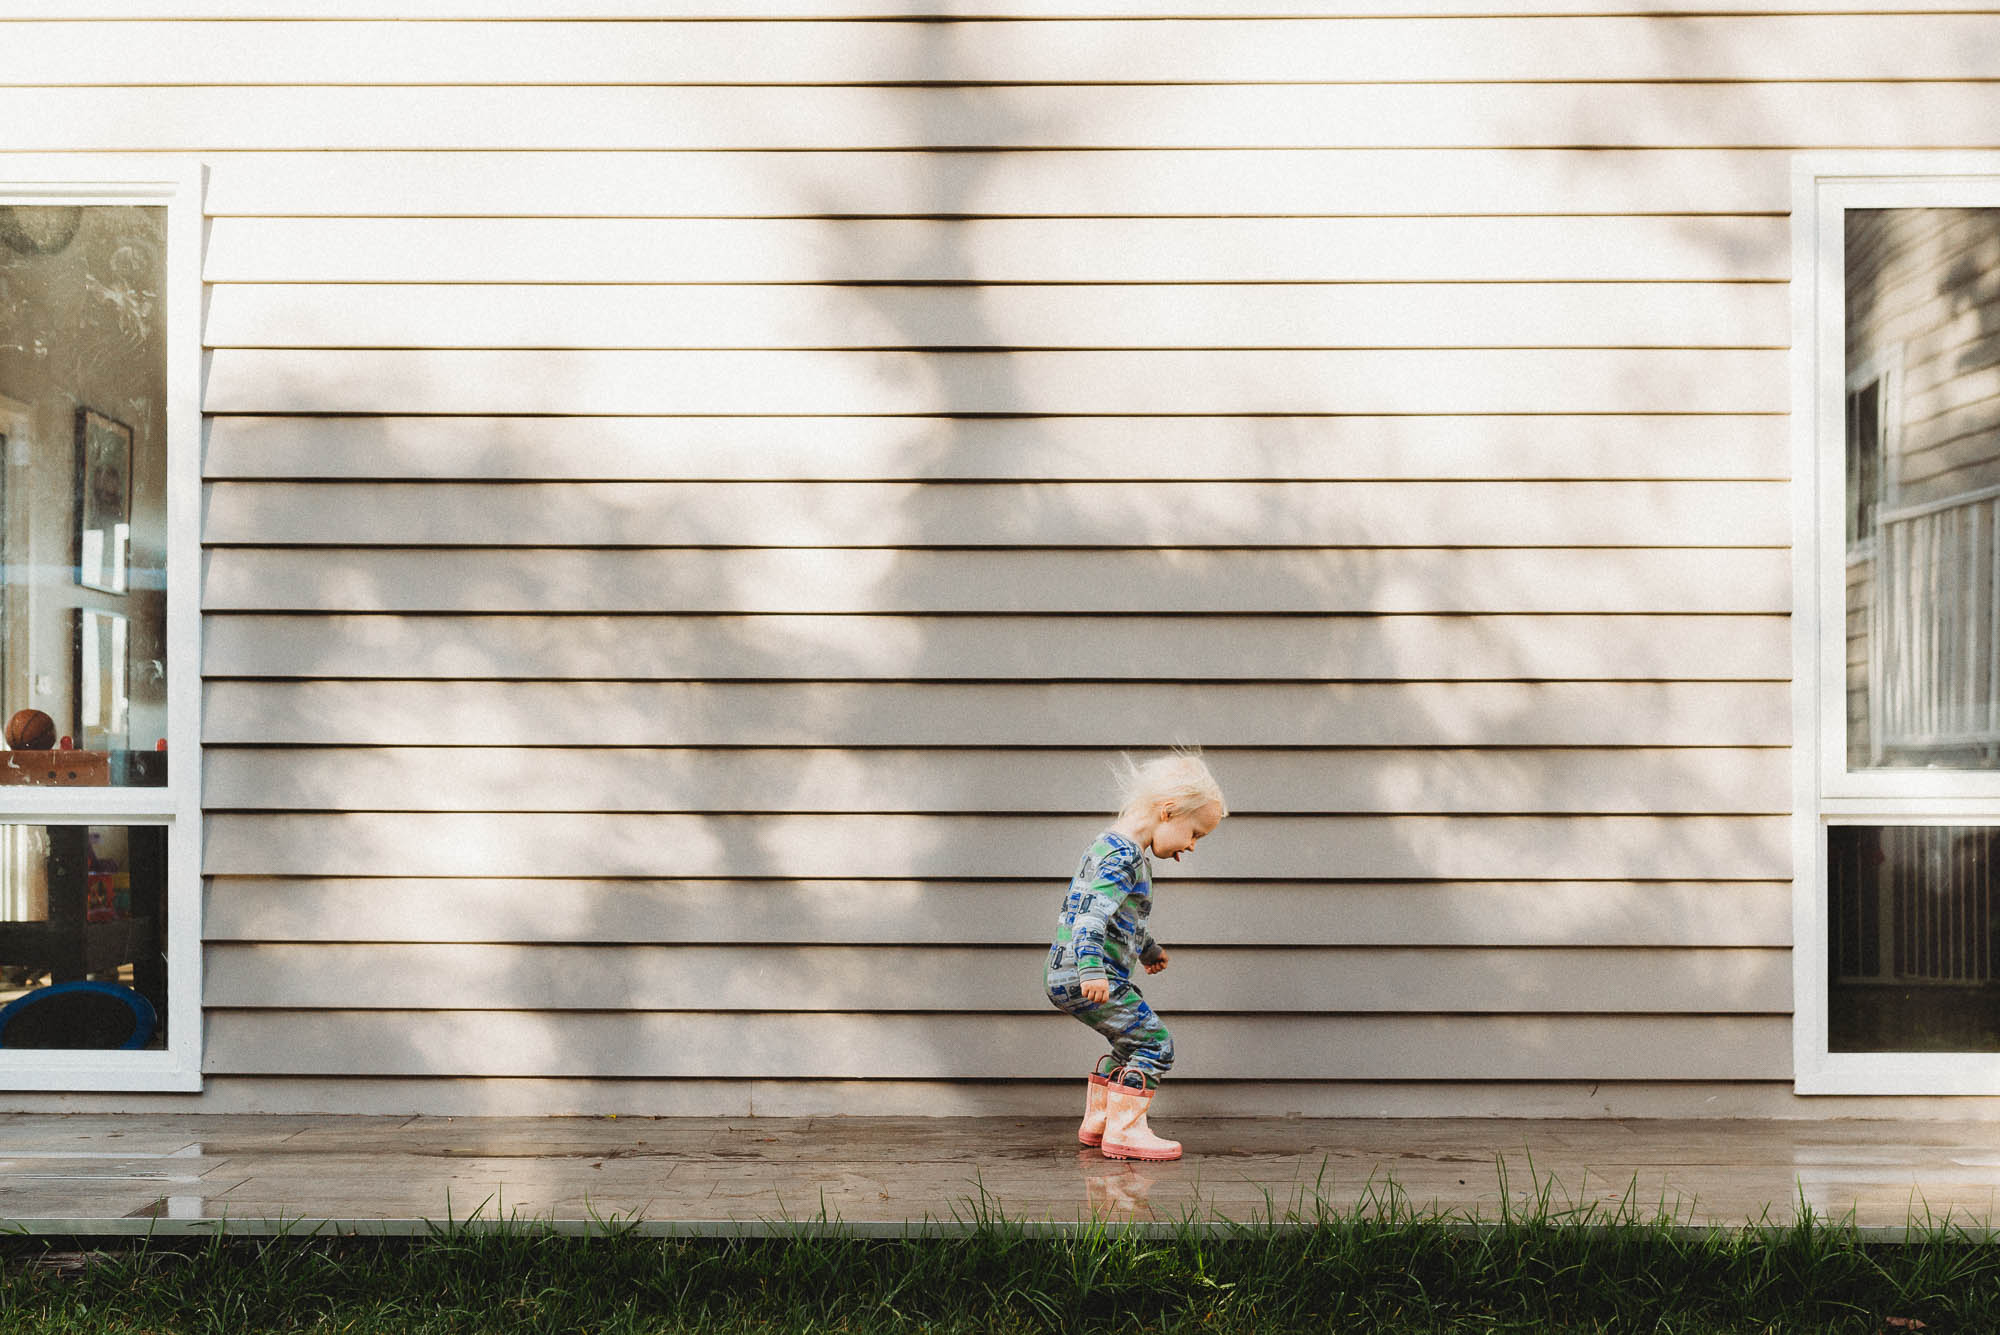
(1000, 250)
(1381, 315)
(556, 647)
(1137, 183)
(1966, 389)
(511, 844)
(450, 1096)
(758, 383)
(1353, 580)
(664, 10)
(1707, 780)
(945, 978)
(1114, 449)
(1192, 911)
(841, 1045)
(959, 515)
(1765, 47)
(960, 714)
(1719, 115)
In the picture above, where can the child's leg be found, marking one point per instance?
(1140, 1041)
(1066, 995)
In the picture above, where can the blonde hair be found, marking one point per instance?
(1181, 779)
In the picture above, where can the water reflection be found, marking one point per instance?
(1116, 1188)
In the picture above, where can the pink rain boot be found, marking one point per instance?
(1092, 1130)
(1126, 1135)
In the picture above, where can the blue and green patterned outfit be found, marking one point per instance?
(1102, 934)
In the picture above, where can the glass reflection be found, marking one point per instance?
(83, 913)
(83, 494)
(1912, 939)
(1922, 488)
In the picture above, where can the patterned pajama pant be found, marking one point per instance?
(1139, 1042)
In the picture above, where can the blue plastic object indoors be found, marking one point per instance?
(84, 1014)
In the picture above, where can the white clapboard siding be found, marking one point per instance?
(486, 778)
(530, 1096)
(1381, 315)
(720, 713)
(840, 1045)
(639, 647)
(662, 10)
(1689, 115)
(1096, 448)
(962, 515)
(995, 981)
(1237, 183)
(1932, 356)
(242, 380)
(371, 843)
(1541, 49)
(1957, 438)
(1965, 388)
(1898, 288)
(813, 911)
(1935, 354)
(995, 250)
(696, 580)
(696, 505)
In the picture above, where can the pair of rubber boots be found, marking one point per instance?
(1114, 1120)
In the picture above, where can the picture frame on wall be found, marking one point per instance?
(102, 717)
(103, 501)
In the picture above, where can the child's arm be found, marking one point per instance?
(1151, 953)
(1115, 879)
(1099, 989)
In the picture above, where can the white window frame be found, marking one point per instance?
(175, 184)
(1825, 792)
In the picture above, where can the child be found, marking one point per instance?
(1170, 804)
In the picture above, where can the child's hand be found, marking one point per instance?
(1158, 963)
(1097, 990)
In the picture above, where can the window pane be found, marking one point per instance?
(1911, 946)
(1923, 489)
(83, 912)
(83, 528)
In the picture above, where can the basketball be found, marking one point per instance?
(31, 730)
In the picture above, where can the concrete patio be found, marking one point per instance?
(108, 1175)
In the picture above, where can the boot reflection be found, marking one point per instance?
(1115, 1187)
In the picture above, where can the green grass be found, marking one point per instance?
(1380, 1268)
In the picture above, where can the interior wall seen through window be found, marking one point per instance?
(83, 607)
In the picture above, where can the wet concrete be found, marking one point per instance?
(104, 1174)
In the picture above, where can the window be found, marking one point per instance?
(1897, 433)
(99, 685)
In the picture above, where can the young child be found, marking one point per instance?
(1170, 804)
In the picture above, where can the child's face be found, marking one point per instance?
(1175, 835)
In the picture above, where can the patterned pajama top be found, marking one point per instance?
(1102, 930)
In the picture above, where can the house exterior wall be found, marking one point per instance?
(694, 507)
